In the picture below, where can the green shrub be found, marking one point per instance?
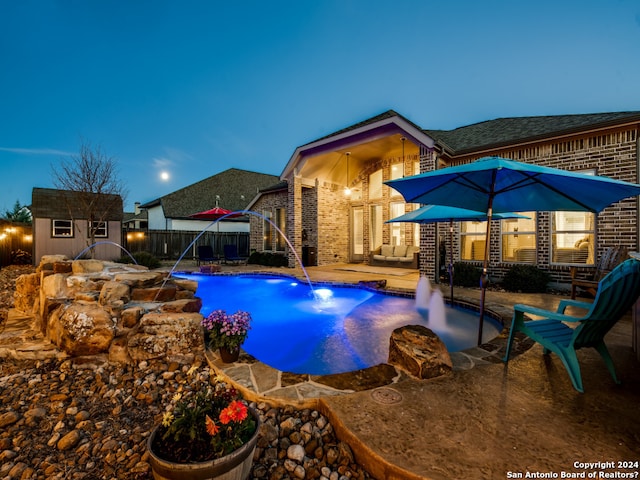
(526, 279)
(268, 259)
(142, 258)
(466, 275)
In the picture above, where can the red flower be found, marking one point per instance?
(212, 428)
(236, 412)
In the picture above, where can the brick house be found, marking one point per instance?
(310, 203)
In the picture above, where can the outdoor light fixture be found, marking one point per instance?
(347, 190)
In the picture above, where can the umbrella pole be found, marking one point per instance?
(451, 259)
(484, 279)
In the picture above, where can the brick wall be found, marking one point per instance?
(612, 154)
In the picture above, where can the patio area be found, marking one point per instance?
(488, 420)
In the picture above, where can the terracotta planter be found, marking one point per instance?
(235, 466)
(228, 356)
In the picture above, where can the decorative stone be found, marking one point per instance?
(166, 334)
(156, 294)
(87, 266)
(130, 316)
(81, 329)
(139, 279)
(185, 305)
(112, 292)
(27, 289)
(419, 351)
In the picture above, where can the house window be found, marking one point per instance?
(416, 167)
(397, 171)
(375, 185)
(397, 228)
(62, 228)
(572, 238)
(473, 237)
(281, 222)
(99, 229)
(267, 236)
(375, 226)
(519, 239)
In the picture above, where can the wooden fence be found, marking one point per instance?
(15, 240)
(170, 245)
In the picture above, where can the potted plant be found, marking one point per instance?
(207, 431)
(226, 332)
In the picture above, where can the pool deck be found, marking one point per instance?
(486, 420)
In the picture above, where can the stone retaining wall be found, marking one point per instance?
(91, 307)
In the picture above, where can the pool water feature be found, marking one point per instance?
(330, 329)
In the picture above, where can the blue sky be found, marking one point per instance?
(196, 87)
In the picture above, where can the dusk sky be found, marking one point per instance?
(193, 88)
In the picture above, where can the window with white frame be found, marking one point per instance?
(518, 239)
(375, 226)
(62, 228)
(573, 236)
(267, 231)
(473, 238)
(416, 167)
(281, 222)
(397, 209)
(99, 230)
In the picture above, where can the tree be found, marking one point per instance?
(98, 191)
(20, 213)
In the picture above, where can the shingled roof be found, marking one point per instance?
(234, 187)
(509, 131)
(58, 204)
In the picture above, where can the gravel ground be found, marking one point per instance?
(88, 419)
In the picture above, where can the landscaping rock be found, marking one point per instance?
(419, 351)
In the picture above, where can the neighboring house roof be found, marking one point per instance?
(514, 130)
(132, 216)
(61, 204)
(232, 189)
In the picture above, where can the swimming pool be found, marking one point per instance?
(340, 329)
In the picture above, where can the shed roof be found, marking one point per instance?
(60, 204)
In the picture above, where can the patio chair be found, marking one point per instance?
(231, 254)
(610, 258)
(206, 255)
(617, 292)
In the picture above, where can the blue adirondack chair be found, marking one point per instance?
(616, 294)
(231, 254)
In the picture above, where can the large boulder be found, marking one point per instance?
(79, 329)
(419, 351)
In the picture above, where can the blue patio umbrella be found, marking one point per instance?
(442, 213)
(497, 185)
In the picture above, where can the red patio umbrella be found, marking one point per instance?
(213, 214)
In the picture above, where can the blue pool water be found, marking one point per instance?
(341, 329)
